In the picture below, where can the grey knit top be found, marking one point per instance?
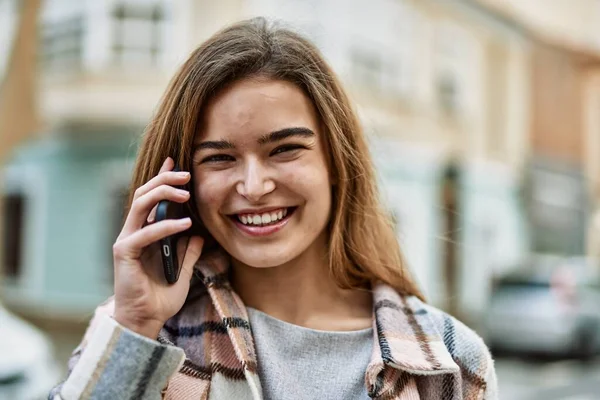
(300, 363)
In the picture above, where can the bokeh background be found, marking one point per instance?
(484, 123)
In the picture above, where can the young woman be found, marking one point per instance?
(295, 288)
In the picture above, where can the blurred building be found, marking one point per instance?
(455, 96)
(564, 167)
(564, 170)
(100, 74)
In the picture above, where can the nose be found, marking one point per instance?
(256, 182)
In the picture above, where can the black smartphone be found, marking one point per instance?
(174, 247)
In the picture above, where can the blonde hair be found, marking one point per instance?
(362, 243)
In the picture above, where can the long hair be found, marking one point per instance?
(362, 244)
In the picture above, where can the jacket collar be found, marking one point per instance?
(405, 337)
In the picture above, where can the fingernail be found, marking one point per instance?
(185, 221)
(183, 174)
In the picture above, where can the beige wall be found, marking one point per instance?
(557, 103)
(592, 155)
(592, 128)
(493, 122)
(571, 23)
(507, 106)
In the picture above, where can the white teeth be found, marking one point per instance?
(262, 219)
(265, 218)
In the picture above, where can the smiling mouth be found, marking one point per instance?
(264, 219)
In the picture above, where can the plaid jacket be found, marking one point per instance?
(206, 351)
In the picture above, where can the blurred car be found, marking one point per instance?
(27, 366)
(554, 310)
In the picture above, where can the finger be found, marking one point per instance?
(167, 165)
(132, 246)
(152, 215)
(192, 254)
(168, 177)
(140, 208)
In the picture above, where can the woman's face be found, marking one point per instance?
(263, 186)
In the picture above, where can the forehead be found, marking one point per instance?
(257, 106)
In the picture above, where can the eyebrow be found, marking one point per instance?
(264, 139)
(215, 145)
(284, 134)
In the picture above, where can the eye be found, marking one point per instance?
(286, 148)
(217, 158)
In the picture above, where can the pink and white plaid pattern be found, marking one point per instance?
(419, 352)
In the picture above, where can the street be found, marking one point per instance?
(535, 379)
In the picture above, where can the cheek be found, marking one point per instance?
(311, 178)
(210, 193)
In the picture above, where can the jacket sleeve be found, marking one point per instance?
(471, 355)
(491, 388)
(113, 362)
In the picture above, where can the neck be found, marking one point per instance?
(302, 292)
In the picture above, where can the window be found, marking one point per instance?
(381, 56)
(138, 29)
(448, 92)
(454, 67)
(13, 218)
(557, 209)
(62, 42)
(373, 70)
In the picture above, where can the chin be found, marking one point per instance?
(259, 257)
